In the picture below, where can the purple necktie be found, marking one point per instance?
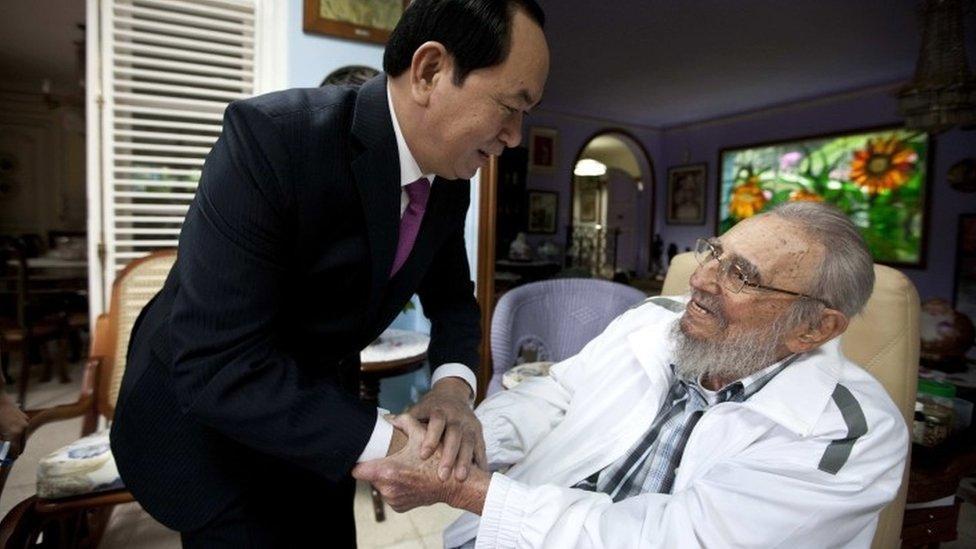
(417, 192)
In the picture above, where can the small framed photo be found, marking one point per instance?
(686, 195)
(589, 205)
(363, 20)
(543, 144)
(543, 209)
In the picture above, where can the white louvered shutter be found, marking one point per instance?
(168, 70)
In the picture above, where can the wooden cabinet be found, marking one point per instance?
(935, 474)
(923, 527)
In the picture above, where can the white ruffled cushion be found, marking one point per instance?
(83, 467)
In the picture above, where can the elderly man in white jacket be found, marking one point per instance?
(728, 418)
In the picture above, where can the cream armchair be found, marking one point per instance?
(884, 340)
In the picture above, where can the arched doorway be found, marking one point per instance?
(612, 214)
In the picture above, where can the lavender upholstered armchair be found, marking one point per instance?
(555, 318)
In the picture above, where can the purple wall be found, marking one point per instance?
(574, 133)
(701, 143)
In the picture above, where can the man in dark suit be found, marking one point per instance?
(319, 213)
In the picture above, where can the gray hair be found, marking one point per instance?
(352, 75)
(845, 278)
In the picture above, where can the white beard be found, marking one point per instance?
(732, 358)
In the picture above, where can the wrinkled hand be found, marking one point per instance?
(406, 481)
(451, 424)
(13, 424)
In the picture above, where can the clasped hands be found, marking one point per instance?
(442, 460)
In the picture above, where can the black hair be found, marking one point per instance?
(477, 33)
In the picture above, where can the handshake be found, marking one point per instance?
(422, 467)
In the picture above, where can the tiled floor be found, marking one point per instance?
(132, 527)
(418, 529)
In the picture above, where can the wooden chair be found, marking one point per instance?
(72, 511)
(74, 304)
(27, 326)
(55, 238)
(32, 244)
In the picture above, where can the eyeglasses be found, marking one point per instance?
(731, 275)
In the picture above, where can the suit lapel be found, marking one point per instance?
(377, 173)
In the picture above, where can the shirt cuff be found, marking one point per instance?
(379, 441)
(456, 369)
(501, 517)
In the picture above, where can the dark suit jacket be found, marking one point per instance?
(240, 361)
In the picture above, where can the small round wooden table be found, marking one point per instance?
(394, 353)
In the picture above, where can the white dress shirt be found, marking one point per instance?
(379, 441)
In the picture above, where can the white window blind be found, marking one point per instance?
(168, 70)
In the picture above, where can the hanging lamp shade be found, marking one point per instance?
(943, 92)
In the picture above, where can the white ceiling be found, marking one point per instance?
(661, 63)
(37, 42)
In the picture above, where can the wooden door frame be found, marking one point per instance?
(485, 281)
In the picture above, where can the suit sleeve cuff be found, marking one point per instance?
(379, 441)
(456, 369)
(501, 518)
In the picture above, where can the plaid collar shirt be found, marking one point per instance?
(649, 466)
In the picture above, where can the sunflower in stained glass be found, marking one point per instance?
(884, 164)
(747, 199)
(803, 195)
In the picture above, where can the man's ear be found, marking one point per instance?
(831, 324)
(430, 63)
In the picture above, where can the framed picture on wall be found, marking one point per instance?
(543, 210)
(878, 177)
(964, 299)
(363, 20)
(589, 205)
(686, 195)
(543, 144)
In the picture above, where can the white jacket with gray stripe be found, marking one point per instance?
(773, 471)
